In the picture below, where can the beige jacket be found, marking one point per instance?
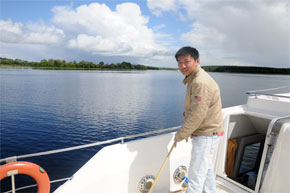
(203, 109)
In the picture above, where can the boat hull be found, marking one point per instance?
(121, 167)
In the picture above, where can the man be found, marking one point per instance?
(202, 120)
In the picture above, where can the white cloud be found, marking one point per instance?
(157, 7)
(10, 32)
(42, 34)
(158, 27)
(29, 34)
(200, 34)
(92, 32)
(98, 29)
(99, 45)
(242, 32)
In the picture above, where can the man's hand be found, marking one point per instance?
(184, 115)
(176, 141)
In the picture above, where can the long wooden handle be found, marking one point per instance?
(161, 169)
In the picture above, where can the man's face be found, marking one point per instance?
(187, 64)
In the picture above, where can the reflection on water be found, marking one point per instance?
(49, 109)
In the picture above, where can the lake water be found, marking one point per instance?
(44, 110)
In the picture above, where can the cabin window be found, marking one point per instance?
(250, 158)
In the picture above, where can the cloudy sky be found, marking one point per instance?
(149, 32)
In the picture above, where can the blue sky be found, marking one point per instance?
(149, 32)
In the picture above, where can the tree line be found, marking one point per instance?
(56, 63)
(247, 69)
(62, 64)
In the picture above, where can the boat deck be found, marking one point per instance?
(222, 189)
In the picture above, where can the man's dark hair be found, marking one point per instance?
(187, 50)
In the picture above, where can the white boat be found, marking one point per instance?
(253, 155)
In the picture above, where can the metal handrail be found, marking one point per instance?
(121, 139)
(34, 185)
(265, 94)
(260, 92)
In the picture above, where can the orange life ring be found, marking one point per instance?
(30, 169)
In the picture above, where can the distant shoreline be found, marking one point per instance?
(52, 64)
(247, 69)
(82, 65)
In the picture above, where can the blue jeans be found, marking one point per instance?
(201, 169)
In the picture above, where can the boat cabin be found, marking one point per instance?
(254, 154)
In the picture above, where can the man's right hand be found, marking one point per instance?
(176, 141)
(184, 115)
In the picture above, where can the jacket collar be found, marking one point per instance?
(188, 78)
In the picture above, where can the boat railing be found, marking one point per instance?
(263, 92)
(119, 139)
(110, 141)
(34, 185)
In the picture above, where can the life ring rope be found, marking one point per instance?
(30, 169)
